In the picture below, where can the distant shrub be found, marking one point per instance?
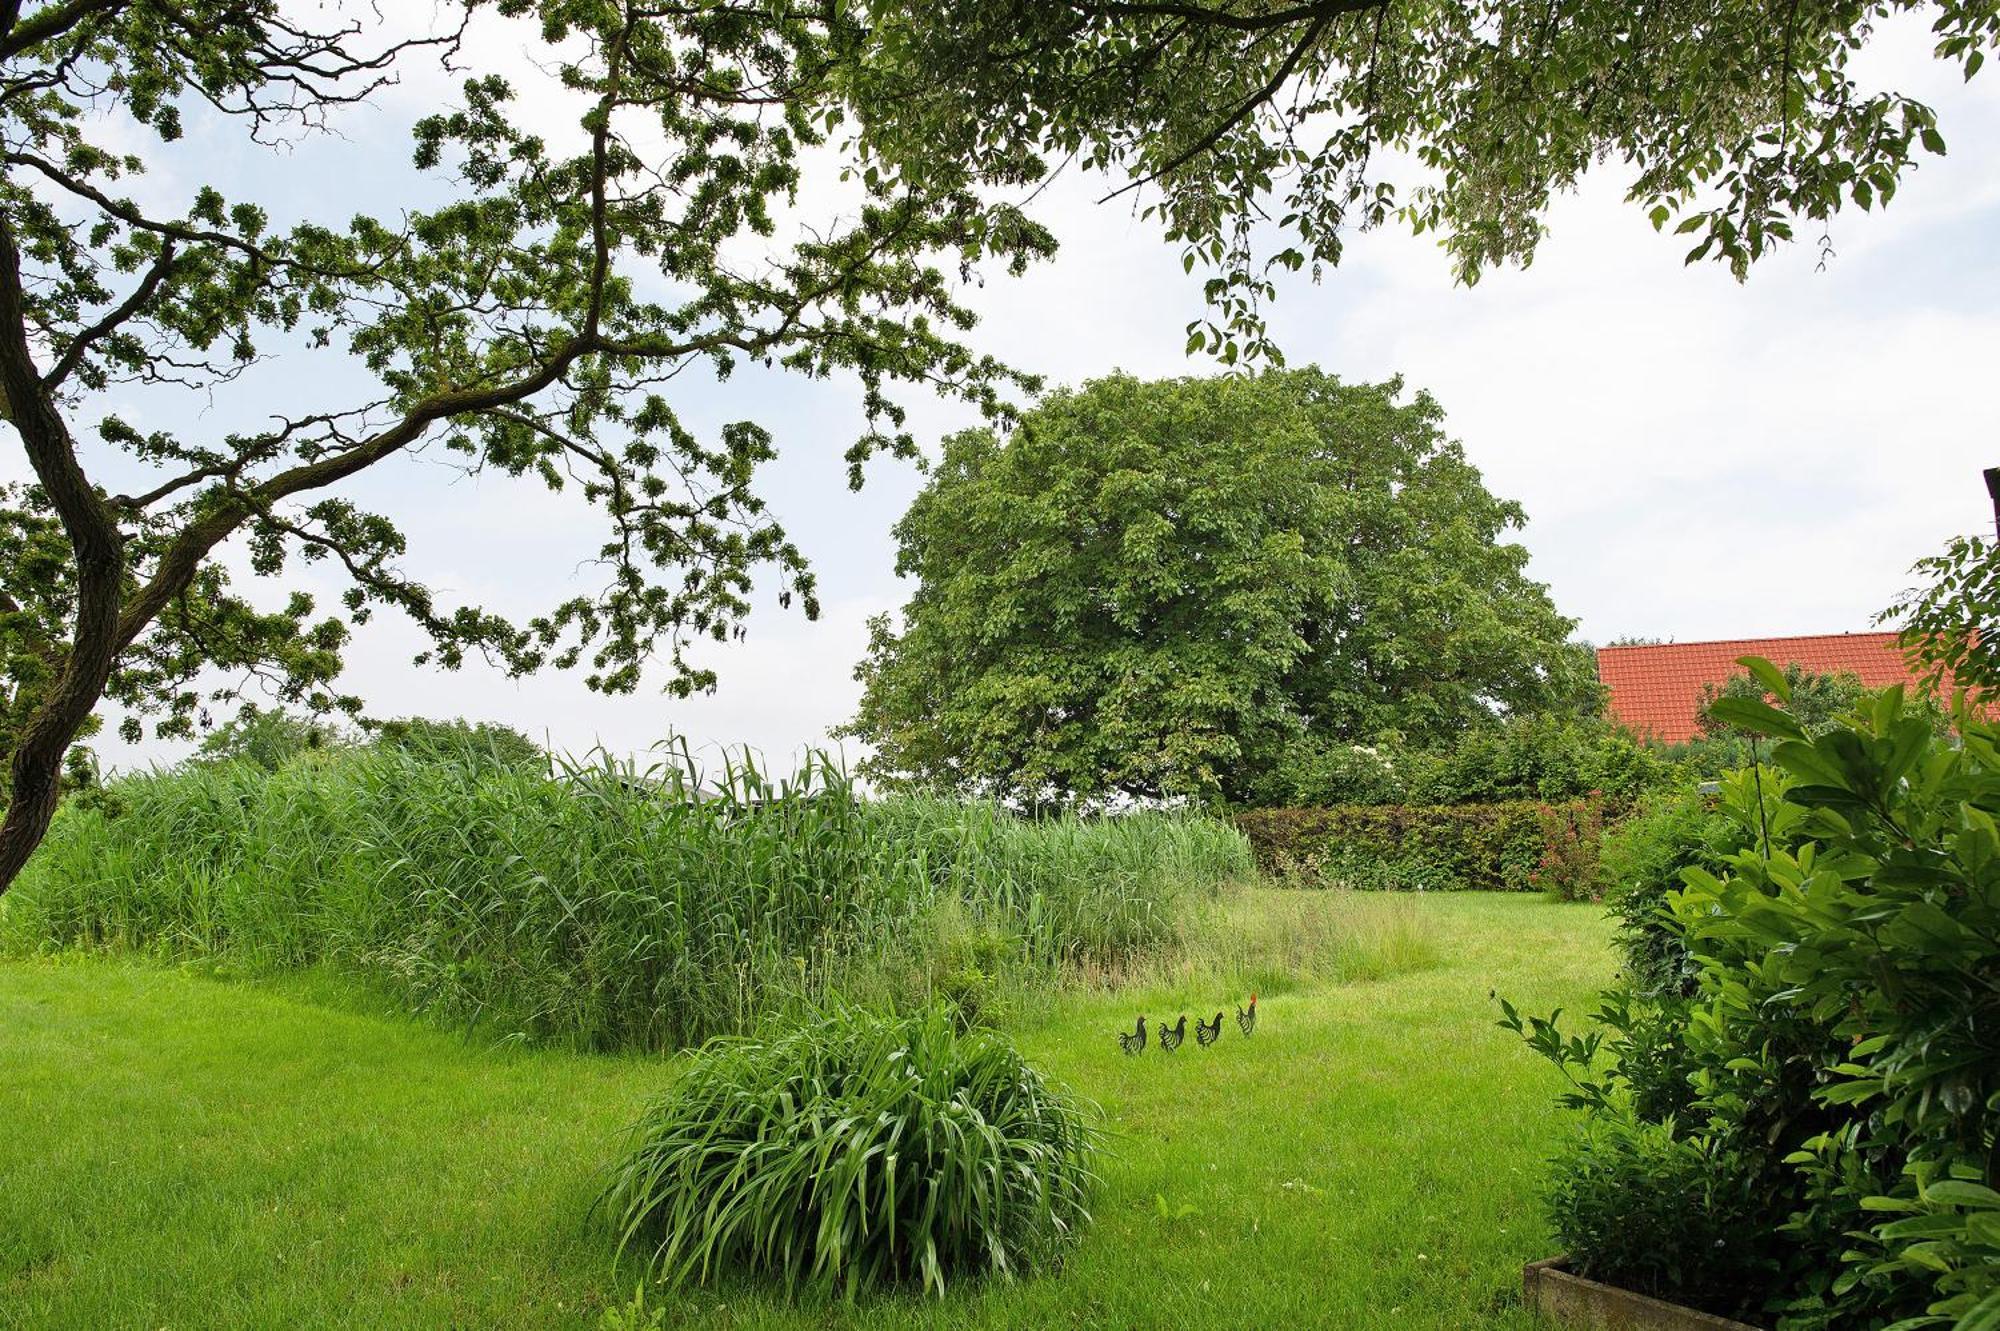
(270, 738)
(1479, 847)
(1817, 702)
(852, 1152)
(1551, 758)
(1572, 835)
(460, 740)
(1319, 772)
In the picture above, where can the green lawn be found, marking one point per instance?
(183, 1151)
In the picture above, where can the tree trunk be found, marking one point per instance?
(35, 775)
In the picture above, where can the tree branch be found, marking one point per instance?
(80, 345)
(1236, 117)
(1319, 10)
(50, 22)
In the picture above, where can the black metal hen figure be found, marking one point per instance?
(1171, 1036)
(1134, 1041)
(1247, 1021)
(1207, 1033)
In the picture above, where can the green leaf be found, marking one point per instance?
(1757, 717)
(1888, 1204)
(1772, 678)
(1985, 1315)
(1959, 1192)
(1920, 1227)
(1851, 1092)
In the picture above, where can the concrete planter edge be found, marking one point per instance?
(1569, 1300)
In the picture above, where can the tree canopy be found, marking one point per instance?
(1266, 132)
(269, 737)
(1156, 589)
(530, 324)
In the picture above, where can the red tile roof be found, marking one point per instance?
(1656, 689)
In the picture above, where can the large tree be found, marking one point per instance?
(1157, 588)
(527, 326)
(530, 323)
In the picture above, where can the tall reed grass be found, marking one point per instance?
(606, 905)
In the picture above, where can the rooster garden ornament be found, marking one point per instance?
(1206, 1033)
(1133, 1041)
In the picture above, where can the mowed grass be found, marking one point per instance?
(183, 1151)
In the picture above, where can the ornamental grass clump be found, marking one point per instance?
(855, 1151)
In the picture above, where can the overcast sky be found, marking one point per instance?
(1698, 458)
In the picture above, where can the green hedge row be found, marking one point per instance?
(1402, 847)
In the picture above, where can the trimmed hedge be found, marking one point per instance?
(1402, 847)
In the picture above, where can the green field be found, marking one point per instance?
(188, 1151)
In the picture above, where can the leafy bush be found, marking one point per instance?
(612, 907)
(1842, 1032)
(1662, 1212)
(856, 1151)
(1656, 1065)
(1401, 847)
(1873, 921)
(1572, 835)
(1644, 856)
